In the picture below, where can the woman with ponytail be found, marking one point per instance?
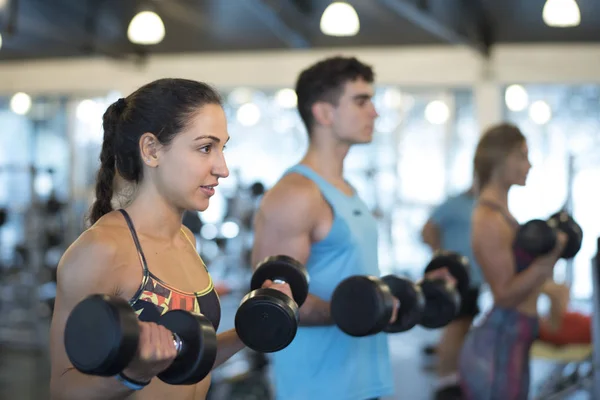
(494, 361)
(166, 140)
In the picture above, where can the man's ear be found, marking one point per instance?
(149, 149)
(322, 113)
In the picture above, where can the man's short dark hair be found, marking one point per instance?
(325, 81)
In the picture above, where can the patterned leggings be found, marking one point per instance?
(494, 360)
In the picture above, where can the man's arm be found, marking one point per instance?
(284, 225)
(228, 343)
(430, 234)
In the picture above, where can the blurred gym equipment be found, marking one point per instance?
(27, 288)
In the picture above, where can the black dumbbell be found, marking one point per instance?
(442, 300)
(267, 319)
(538, 237)
(363, 305)
(564, 222)
(102, 338)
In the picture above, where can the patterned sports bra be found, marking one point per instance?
(155, 297)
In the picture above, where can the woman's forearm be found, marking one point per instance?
(559, 296)
(75, 385)
(522, 285)
(228, 343)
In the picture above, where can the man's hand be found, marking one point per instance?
(282, 287)
(395, 312)
(442, 273)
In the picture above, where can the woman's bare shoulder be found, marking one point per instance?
(98, 251)
(490, 225)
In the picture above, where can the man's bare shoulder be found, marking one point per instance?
(294, 193)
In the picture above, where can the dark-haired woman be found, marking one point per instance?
(167, 140)
(494, 361)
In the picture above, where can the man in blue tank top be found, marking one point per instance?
(315, 216)
(449, 228)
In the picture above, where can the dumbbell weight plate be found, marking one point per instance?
(101, 335)
(536, 237)
(361, 305)
(284, 268)
(412, 303)
(567, 224)
(457, 265)
(199, 352)
(533, 238)
(267, 320)
(441, 304)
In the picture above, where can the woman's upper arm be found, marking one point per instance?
(492, 247)
(87, 267)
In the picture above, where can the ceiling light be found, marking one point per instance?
(392, 98)
(286, 98)
(516, 98)
(146, 28)
(89, 111)
(20, 103)
(340, 19)
(248, 114)
(540, 112)
(561, 13)
(241, 95)
(437, 112)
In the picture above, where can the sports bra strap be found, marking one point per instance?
(510, 219)
(138, 246)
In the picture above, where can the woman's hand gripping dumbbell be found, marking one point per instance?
(104, 337)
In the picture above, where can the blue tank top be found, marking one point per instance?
(453, 218)
(322, 362)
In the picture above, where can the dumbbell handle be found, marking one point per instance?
(553, 223)
(178, 343)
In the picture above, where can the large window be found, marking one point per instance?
(561, 123)
(34, 163)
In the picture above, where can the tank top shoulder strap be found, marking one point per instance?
(328, 191)
(138, 246)
(509, 218)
